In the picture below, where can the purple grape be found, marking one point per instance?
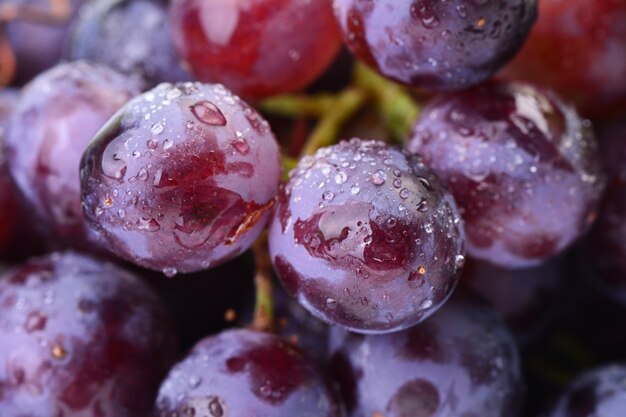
(442, 45)
(182, 178)
(56, 117)
(365, 237)
(523, 167)
(131, 36)
(600, 392)
(80, 338)
(461, 362)
(526, 298)
(246, 373)
(37, 43)
(8, 199)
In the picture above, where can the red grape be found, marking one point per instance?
(54, 121)
(246, 373)
(578, 48)
(523, 167)
(256, 48)
(182, 178)
(365, 237)
(461, 362)
(435, 44)
(80, 338)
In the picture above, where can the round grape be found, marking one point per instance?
(434, 44)
(80, 338)
(523, 167)
(256, 48)
(182, 178)
(54, 121)
(246, 373)
(462, 362)
(365, 237)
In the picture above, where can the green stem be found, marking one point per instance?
(298, 105)
(263, 319)
(397, 107)
(288, 164)
(329, 126)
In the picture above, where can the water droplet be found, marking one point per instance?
(397, 183)
(426, 304)
(194, 381)
(152, 144)
(379, 177)
(157, 129)
(331, 303)
(328, 196)
(170, 272)
(355, 189)
(35, 321)
(404, 193)
(208, 113)
(58, 351)
(422, 206)
(459, 261)
(428, 228)
(241, 146)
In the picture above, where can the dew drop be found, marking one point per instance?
(404, 193)
(341, 177)
(241, 146)
(208, 113)
(331, 303)
(328, 196)
(167, 143)
(170, 272)
(157, 129)
(379, 177)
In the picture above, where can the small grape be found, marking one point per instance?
(441, 45)
(57, 115)
(462, 362)
(523, 167)
(181, 179)
(259, 48)
(365, 237)
(246, 373)
(80, 338)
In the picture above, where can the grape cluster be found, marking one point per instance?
(312, 208)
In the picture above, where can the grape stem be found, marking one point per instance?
(263, 319)
(398, 109)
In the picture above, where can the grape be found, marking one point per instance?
(526, 298)
(246, 373)
(606, 245)
(181, 179)
(80, 338)
(522, 165)
(259, 48)
(131, 36)
(365, 237)
(461, 362)
(597, 393)
(8, 202)
(441, 45)
(56, 117)
(578, 48)
(37, 43)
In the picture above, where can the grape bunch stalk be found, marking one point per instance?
(330, 208)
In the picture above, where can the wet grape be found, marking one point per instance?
(462, 361)
(365, 237)
(80, 338)
(257, 49)
(442, 45)
(54, 121)
(246, 373)
(523, 167)
(131, 36)
(599, 392)
(181, 179)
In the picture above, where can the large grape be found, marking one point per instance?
(365, 237)
(522, 165)
(578, 48)
(256, 48)
(54, 121)
(246, 373)
(182, 178)
(80, 338)
(600, 392)
(461, 362)
(435, 44)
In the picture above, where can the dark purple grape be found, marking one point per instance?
(8, 199)
(131, 36)
(600, 392)
(256, 48)
(522, 166)
(246, 373)
(461, 362)
(365, 237)
(526, 298)
(56, 117)
(182, 178)
(37, 42)
(80, 338)
(606, 244)
(442, 45)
